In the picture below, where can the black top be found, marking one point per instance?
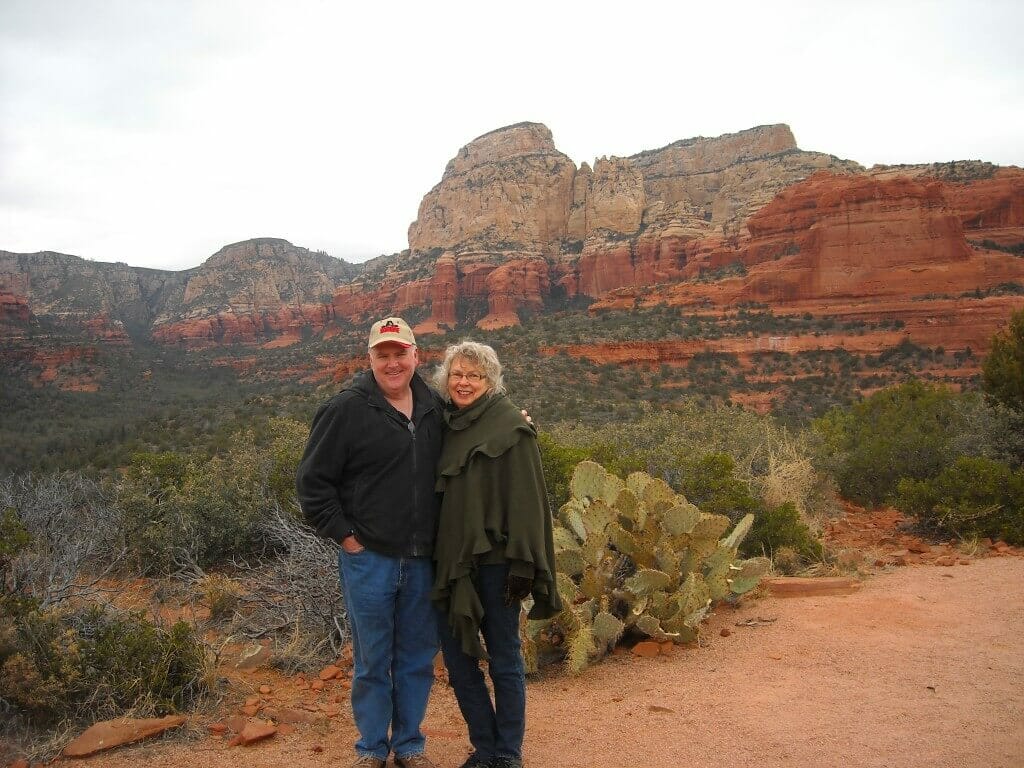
(369, 469)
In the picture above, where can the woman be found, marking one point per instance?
(493, 549)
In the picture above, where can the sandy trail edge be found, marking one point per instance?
(922, 667)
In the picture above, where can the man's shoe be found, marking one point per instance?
(368, 761)
(414, 761)
(505, 762)
(476, 762)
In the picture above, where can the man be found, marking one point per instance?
(366, 480)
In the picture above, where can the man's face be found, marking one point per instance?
(393, 366)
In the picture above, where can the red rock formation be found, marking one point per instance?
(507, 186)
(992, 208)
(13, 307)
(256, 327)
(520, 284)
(103, 327)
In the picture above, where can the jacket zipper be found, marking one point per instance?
(415, 490)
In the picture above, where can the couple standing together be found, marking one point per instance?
(439, 504)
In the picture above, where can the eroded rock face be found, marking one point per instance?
(504, 189)
(857, 236)
(255, 292)
(74, 292)
(516, 285)
(729, 177)
(252, 292)
(279, 326)
(611, 199)
(513, 226)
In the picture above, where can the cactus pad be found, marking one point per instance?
(588, 480)
(646, 581)
(597, 516)
(613, 486)
(623, 540)
(637, 481)
(709, 527)
(607, 629)
(571, 516)
(563, 538)
(718, 562)
(739, 533)
(680, 518)
(570, 561)
(658, 492)
(718, 585)
(749, 574)
(667, 560)
(567, 589)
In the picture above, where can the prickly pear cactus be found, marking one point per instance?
(635, 558)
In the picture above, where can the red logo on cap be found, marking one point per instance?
(389, 327)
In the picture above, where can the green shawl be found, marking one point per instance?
(495, 510)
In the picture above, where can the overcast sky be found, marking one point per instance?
(154, 132)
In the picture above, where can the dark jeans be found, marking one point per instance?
(394, 640)
(495, 728)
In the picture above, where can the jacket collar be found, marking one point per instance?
(422, 397)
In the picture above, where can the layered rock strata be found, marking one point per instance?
(513, 228)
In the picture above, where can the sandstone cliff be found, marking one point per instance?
(75, 295)
(251, 292)
(514, 229)
(248, 292)
(507, 188)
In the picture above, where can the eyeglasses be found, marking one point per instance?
(472, 377)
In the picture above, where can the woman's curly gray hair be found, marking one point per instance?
(480, 355)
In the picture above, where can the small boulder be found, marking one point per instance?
(329, 672)
(647, 649)
(255, 655)
(122, 730)
(253, 732)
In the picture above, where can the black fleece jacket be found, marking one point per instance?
(369, 469)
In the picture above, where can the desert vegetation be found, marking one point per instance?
(664, 502)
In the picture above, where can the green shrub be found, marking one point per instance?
(710, 482)
(97, 662)
(781, 528)
(905, 431)
(972, 497)
(207, 510)
(1003, 369)
(13, 539)
(664, 442)
(284, 453)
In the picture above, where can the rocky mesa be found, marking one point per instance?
(514, 229)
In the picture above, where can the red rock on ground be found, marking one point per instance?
(329, 672)
(791, 586)
(252, 733)
(113, 733)
(648, 649)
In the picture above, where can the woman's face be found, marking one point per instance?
(466, 382)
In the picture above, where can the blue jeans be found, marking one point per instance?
(394, 641)
(495, 728)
